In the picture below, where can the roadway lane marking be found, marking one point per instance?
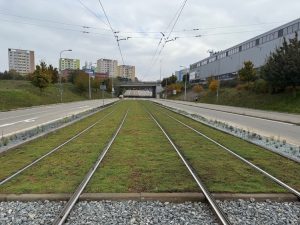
(21, 121)
(233, 113)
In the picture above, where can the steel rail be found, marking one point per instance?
(281, 183)
(70, 204)
(53, 150)
(217, 210)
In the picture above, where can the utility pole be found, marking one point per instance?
(186, 75)
(167, 88)
(60, 75)
(90, 92)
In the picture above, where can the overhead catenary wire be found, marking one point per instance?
(54, 27)
(53, 21)
(92, 12)
(4, 12)
(112, 30)
(163, 38)
(164, 32)
(170, 33)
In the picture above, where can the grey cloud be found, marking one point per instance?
(136, 15)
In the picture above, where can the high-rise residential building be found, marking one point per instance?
(21, 60)
(126, 71)
(69, 64)
(108, 66)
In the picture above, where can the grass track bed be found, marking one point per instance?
(62, 171)
(22, 155)
(278, 166)
(141, 160)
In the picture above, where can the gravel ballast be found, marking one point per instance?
(132, 212)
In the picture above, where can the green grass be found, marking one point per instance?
(17, 94)
(63, 171)
(18, 157)
(280, 167)
(141, 160)
(282, 102)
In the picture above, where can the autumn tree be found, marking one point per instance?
(198, 89)
(82, 81)
(214, 85)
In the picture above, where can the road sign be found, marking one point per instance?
(103, 87)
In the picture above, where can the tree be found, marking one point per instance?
(198, 89)
(247, 73)
(82, 81)
(186, 77)
(214, 85)
(41, 77)
(283, 67)
(169, 80)
(11, 75)
(54, 74)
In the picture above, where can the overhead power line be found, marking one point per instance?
(112, 30)
(163, 38)
(92, 12)
(52, 21)
(167, 39)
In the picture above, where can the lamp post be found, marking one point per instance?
(185, 82)
(60, 75)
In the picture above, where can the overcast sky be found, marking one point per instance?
(49, 26)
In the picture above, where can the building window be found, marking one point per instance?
(295, 27)
(280, 33)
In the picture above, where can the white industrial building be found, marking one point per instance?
(225, 64)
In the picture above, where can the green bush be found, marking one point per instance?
(261, 86)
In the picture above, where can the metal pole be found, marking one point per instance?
(167, 88)
(60, 75)
(218, 90)
(103, 97)
(185, 87)
(90, 93)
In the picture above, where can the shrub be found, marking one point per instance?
(261, 86)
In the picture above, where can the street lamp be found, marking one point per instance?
(185, 82)
(60, 75)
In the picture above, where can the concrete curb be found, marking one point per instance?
(83, 116)
(163, 197)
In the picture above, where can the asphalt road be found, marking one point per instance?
(19, 120)
(262, 122)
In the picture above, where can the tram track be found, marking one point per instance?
(211, 200)
(75, 196)
(18, 172)
(252, 165)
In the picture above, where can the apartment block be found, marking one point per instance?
(69, 64)
(109, 66)
(21, 60)
(126, 71)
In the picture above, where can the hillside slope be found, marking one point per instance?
(18, 94)
(283, 102)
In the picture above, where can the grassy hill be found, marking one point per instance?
(17, 94)
(283, 102)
